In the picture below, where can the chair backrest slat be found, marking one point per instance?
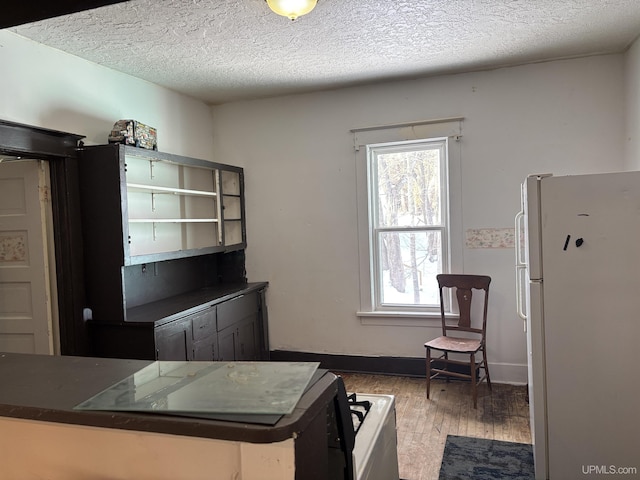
(464, 296)
(464, 286)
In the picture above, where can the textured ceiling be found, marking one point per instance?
(225, 50)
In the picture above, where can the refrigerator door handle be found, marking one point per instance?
(520, 306)
(521, 266)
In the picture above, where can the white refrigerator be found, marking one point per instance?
(578, 269)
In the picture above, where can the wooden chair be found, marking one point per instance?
(462, 286)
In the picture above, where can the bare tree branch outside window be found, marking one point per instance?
(409, 224)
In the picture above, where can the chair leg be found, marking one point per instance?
(474, 386)
(428, 370)
(486, 367)
(446, 366)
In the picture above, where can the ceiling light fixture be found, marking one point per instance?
(292, 8)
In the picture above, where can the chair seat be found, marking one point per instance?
(455, 344)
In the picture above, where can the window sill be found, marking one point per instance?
(403, 319)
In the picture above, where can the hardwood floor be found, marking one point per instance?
(423, 425)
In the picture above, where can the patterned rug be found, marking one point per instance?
(482, 459)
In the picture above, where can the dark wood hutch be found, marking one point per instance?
(164, 239)
(149, 251)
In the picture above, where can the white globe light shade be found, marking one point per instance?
(292, 8)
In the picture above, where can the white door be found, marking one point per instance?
(26, 318)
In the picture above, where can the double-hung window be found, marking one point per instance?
(409, 217)
(408, 222)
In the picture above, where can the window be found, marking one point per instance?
(409, 217)
(408, 222)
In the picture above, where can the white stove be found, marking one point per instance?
(375, 453)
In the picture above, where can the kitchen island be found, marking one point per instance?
(45, 437)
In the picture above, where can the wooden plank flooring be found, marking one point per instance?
(423, 425)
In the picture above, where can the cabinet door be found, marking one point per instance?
(205, 350)
(241, 329)
(232, 215)
(174, 341)
(239, 342)
(246, 340)
(238, 329)
(227, 344)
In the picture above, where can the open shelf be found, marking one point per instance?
(173, 220)
(160, 206)
(162, 192)
(154, 189)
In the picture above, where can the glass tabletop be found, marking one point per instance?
(208, 387)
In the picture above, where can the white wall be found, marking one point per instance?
(632, 98)
(561, 117)
(47, 88)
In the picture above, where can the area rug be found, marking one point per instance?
(482, 459)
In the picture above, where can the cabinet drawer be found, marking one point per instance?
(236, 309)
(204, 324)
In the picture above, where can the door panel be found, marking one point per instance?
(227, 339)
(205, 349)
(173, 341)
(25, 292)
(590, 234)
(247, 340)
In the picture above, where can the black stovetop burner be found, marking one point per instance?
(359, 409)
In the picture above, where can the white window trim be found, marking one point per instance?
(374, 228)
(451, 128)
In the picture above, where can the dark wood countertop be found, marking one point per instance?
(47, 388)
(169, 309)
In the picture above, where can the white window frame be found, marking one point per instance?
(450, 128)
(374, 228)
